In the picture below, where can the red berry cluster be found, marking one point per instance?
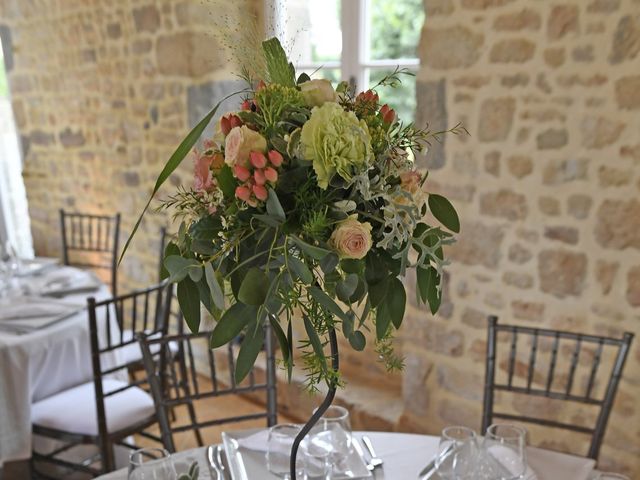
(261, 171)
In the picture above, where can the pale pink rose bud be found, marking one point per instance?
(260, 192)
(239, 143)
(225, 125)
(351, 239)
(271, 175)
(246, 105)
(241, 173)
(243, 193)
(275, 158)
(384, 109)
(257, 159)
(259, 177)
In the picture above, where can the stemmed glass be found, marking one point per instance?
(332, 438)
(457, 453)
(504, 446)
(151, 464)
(279, 444)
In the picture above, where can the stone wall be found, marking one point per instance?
(103, 92)
(547, 185)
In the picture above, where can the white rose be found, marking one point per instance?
(317, 92)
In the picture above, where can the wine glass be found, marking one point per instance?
(279, 444)
(457, 453)
(504, 446)
(332, 438)
(151, 464)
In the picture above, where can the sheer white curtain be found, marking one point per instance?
(14, 214)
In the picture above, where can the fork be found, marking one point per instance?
(375, 460)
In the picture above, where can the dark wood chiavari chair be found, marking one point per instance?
(194, 348)
(107, 410)
(91, 241)
(576, 342)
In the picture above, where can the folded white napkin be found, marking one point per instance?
(258, 441)
(23, 308)
(506, 459)
(67, 281)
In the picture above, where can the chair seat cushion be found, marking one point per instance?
(74, 410)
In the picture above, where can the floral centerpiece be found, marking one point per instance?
(306, 207)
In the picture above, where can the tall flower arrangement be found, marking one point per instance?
(306, 206)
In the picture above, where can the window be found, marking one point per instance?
(357, 40)
(14, 215)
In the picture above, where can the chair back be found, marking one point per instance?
(552, 384)
(91, 241)
(200, 374)
(143, 310)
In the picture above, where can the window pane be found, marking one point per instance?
(402, 98)
(394, 28)
(332, 74)
(313, 32)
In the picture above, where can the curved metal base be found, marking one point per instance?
(335, 365)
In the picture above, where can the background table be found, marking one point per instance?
(404, 455)
(38, 364)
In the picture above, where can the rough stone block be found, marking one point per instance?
(496, 119)
(562, 272)
(512, 51)
(579, 205)
(453, 47)
(478, 244)
(466, 384)
(432, 109)
(504, 204)
(147, 18)
(633, 286)
(187, 54)
(562, 233)
(563, 171)
(549, 206)
(525, 19)
(599, 132)
(563, 19)
(626, 40)
(605, 275)
(618, 224)
(628, 92)
(531, 311)
(552, 138)
(519, 254)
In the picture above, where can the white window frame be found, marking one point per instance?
(355, 64)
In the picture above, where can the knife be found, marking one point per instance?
(428, 471)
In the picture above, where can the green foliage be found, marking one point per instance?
(279, 69)
(192, 474)
(189, 300)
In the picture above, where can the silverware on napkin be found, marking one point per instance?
(217, 463)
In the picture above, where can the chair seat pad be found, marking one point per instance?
(74, 410)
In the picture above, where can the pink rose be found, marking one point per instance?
(351, 239)
(240, 142)
(202, 178)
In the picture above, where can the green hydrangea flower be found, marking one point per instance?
(336, 142)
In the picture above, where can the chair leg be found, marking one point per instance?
(192, 416)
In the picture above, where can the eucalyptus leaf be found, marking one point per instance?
(396, 300)
(189, 301)
(274, 208)
(179, 267)
(300, 270)
(205, 295)
(310, 250)
(226, 182)
(327, 302)
(170, 250)
(350, 265)
(249, 350)
(315, 341)
(358, 340)
(329, 263)
(254, 288)
(443, 210)
(348, 325)
(217, 294)
(282, 338)
(290, 342)
(347, 287)
(377, 291)
(268, 220)
(231, 324)
(383, 320)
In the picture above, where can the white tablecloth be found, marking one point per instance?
(404, 457)
(36, 365)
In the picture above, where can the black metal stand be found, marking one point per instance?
(335, 364)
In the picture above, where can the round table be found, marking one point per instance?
(405, 455)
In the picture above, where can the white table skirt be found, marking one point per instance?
(36, 365)
(404, 455)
